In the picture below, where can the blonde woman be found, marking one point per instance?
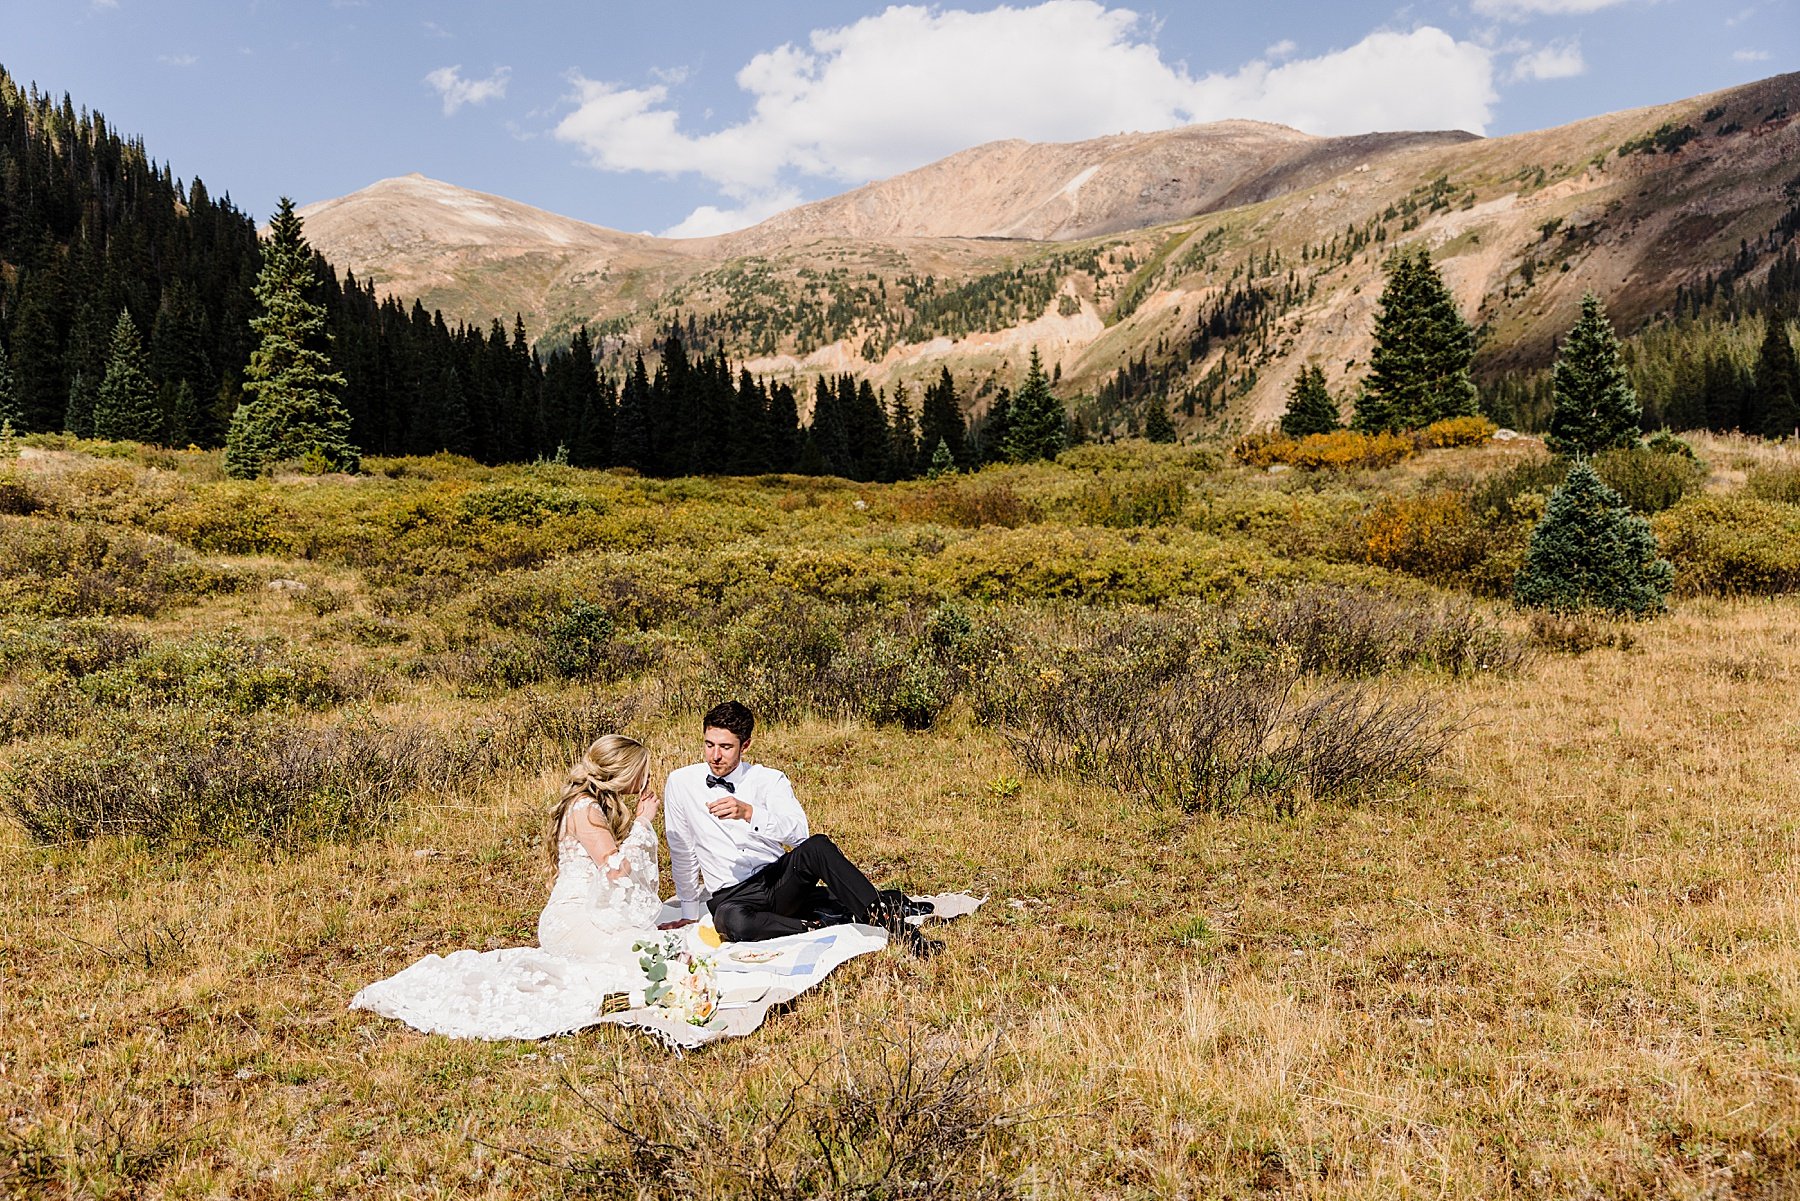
(600, 841)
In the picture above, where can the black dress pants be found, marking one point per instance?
(779, 898)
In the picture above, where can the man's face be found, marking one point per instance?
(723, 750)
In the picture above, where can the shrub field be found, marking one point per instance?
(1317, 869)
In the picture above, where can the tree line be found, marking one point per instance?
(1420, 373)
(133, 305)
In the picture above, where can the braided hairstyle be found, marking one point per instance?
(611, 772)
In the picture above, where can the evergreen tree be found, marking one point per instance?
(78, 414)
(185, 418)
(942, 461)
(1419, 369)
(1777, 387)
(1596, 408)
(829, 433)
(941, 419)
(1157, 426)
(631, 438)
(1040, 428)
(903, 437)
(785, 438)
(1591, 551)
(9, 400)
(292, 408)
(125, 406)
(1310, 408)
(995, 429)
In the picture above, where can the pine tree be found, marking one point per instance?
(292, 407)
(1419, 369)
(125, 406)
(185, 419)
(903, 439)
(1039, 427)
(942, 461)
(941, 419)
(78, 414)
(9, 399)
(1591, 551)
(1777, 386)
(1596, 408)
(1310, 409)
(1157, 426)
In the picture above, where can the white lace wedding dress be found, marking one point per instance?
(584, 952)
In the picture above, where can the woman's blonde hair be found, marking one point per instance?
(611, 772)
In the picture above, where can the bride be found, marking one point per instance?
(604, 900)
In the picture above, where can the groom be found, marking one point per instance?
(736, 825)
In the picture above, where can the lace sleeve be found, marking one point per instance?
(636, 890)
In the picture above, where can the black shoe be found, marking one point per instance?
(830, 914)
(919, 945)
(920, 908)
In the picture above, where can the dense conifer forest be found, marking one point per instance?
(100, 244)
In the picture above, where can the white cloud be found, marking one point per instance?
(1282, 49)
(177, 60)
(1751, 56)
(709, 219)
(1558, 60)
(1518, 10)
(911, 84)
(457, 91)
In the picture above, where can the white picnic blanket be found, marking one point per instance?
(755, 977)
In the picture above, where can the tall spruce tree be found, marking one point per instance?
(1590, 551)
(1777, 387)
(1596, 408)
(292, 407)
(1157, 426)
(941, 420)
(1039, 428)
(1419, 369)
(9, 398)
(903, 436)
(125, 406)
(1310, 408)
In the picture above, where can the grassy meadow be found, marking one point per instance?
(1317, 870)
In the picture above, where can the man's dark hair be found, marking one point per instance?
(734, 716)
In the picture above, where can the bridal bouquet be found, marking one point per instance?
(680, 981)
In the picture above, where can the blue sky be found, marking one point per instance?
(696, 117)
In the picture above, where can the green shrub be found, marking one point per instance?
(1733, 545)
(1591, 551)
(1212, 739)
(1127, 501)
(1777, 482)
(1050, 563)
(1649, 480)
(71, 570)
(17, 497)
(192, 777)
(1365, 632)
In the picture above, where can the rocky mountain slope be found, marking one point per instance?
(1225, 256)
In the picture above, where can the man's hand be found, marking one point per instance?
(686, 921)
(729, 808)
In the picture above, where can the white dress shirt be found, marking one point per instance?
(720, 852)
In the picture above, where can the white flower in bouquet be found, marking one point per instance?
(679, 980)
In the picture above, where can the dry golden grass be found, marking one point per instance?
(1567, 967)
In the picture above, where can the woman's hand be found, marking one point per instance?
(648, 804)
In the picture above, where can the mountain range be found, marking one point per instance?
(1216, 259)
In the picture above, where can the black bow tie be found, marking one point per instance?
(721, 782)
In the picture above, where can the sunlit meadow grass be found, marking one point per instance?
(1566, 964)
